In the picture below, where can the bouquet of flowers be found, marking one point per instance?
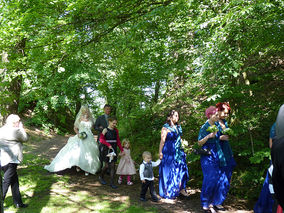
(212, 129)
(228, 131)
(184, 144)
(82, 135)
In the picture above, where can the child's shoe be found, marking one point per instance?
(86, 173)
(129, 183)
(119, 180)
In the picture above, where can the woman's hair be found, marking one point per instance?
(146, 153)
(111, 119)
(220, 106)
(124, 141)
(11, 119)
(170, 115)
(210, 111)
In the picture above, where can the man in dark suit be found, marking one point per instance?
(102, 123)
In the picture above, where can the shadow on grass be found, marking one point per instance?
(34, 186)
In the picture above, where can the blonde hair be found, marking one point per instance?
(146, 153)
(125, 141)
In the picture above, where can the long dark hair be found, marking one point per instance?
(170, 115)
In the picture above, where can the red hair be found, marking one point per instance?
(221, 106)
(210, 111)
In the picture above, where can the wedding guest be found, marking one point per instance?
(265, 201)
(109, 139)
(12, 134)
(147, 176)
(126, 165)
(224, 110)
(277, 156)
(102, 121)
(173, 171)
(212, 193)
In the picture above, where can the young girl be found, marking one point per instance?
(126, 165)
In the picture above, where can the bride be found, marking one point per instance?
(81, 150)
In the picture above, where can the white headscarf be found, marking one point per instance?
(280, 123)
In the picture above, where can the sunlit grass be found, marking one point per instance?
(46, 193)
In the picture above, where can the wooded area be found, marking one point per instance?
(145, 57)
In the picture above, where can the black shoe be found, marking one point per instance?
(219, 208)
(206, 210)
(102, 181)
(113, 186)
(21, 205)
(155, 199)
(143, 199)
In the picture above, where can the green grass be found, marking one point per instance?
(46, 192)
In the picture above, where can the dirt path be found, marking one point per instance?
(49, 147)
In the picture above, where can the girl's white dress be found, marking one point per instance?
(126, 164)
(83, 153)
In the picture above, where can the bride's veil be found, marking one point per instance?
(78, 116)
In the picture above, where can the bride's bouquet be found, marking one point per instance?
(82, 135)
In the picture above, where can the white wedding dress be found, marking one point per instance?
(83, 153)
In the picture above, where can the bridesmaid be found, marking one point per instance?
(224, 110)
(212, 193)
(173, 172)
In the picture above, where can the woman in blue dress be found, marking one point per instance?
(224, 109)
(213, 193)
(173, 172)
(265, 201)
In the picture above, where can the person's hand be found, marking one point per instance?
(211, 135)
(161, 156)
(143, 181)
(224, 137)
(104, 131)
(122, 153)
(110, 147)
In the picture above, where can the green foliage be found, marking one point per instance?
(145, 58)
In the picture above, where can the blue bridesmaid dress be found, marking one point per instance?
(265, 201)
(212, 192)
(173, 171)
(228, 153)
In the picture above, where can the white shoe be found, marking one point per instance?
(77, 169)
(86, 173)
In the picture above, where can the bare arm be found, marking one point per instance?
(205, 139)
(270, 143)
(164, 133)
(76, 130)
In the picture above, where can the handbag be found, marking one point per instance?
(201, 151)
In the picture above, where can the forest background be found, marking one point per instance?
(145, 57)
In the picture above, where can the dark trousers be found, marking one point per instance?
(148, 184)
(11, 179)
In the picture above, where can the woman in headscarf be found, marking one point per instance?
(277, 156)
(81, 150)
